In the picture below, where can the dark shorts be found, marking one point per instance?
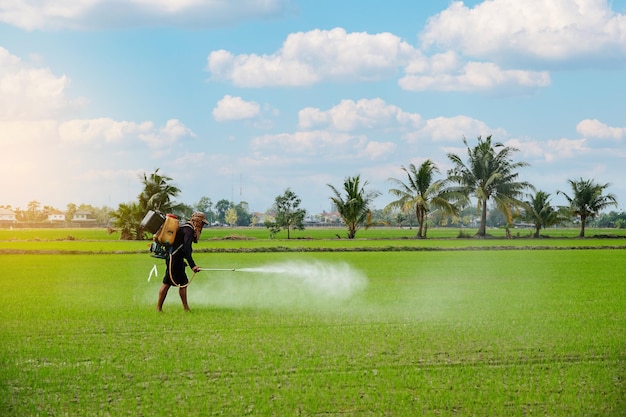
(178, 273)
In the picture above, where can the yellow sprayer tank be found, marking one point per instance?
(168, 231)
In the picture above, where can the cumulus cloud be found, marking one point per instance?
(235, 108)
(375, 116)
(551, 150)
(100, 130)
(31, 93)
(351, 115)
(93, 133)
(309, 143)
(90, 14)
(448, 129)
(594, 128)
(167, 135)
(473, 76)
(376, 150)
(310, 57)
(539, 29)
(307, 58)
(331, 146)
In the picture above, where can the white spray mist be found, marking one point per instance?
(295, 283)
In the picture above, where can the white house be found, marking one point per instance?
(83, 217)
(56, 216)
(7, 215)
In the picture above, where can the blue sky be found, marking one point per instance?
(240, 100)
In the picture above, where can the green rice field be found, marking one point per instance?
(314, 327)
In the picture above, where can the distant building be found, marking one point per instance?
(330, 218)
(260, 218)
(7, 216)
(56, 216)
(83, 217)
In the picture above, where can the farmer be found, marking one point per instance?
(187, 234)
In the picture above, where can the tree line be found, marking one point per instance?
(487, 175)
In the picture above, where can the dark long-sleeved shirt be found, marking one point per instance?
(184, 237)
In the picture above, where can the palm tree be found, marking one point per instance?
(539, 211)
(158, 193)
(587, 200)
(489, 174)
(128, 217)
(355, 209)
(421, 193)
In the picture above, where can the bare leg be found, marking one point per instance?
(183, 297)
(162, 294)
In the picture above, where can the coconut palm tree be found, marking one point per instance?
(355, 208)
(421, 194)
(587, 200)
(158, 193)
(540, 212)
(489, 174)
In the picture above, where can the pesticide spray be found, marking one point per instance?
(294, 283)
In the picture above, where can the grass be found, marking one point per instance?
(315, 239)
(326, 233)
(482, 332)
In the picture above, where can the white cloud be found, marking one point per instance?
(551, 150)
(102, 130)
(349, 115)
(318, 143)
(310, 57)
(307, 58)
(376, 150)
(31, 93)
(90, 14)
(544, 30)
(452, 129)
(235, 108)
(165, 136)
(190, 159)
(596, 129)
(98, 132)
(309, 146)
(565, 148)
(472, 76)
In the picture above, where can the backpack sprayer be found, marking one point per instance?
(164, 228)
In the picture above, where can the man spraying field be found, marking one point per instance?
(175, 275)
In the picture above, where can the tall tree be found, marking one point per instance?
(231, 216)
(354, 208)
(69, 213)
(489, 174)
(587, 200)
(204, 205)
(244, 217)
(158, 193)
(540, 212)
(288, 214)
(421, 193)
(221, 209)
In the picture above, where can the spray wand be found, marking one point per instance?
(218, 269)
(154, 271)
